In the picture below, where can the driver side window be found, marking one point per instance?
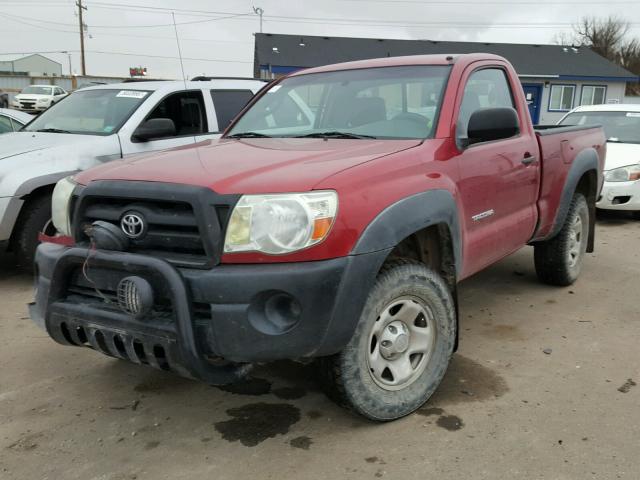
(186, 110)
(486, 88)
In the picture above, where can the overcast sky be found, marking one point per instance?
(216, 36)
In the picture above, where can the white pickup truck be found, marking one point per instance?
(99, 124)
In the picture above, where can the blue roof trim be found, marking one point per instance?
(597, 79)
(280, 68)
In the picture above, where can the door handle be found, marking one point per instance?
(528, 159)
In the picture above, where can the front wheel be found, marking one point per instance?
(558, 261)
(401, 347)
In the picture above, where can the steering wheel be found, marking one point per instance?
(412, 117)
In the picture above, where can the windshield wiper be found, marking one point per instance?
(334, 134)
(249, 135)
(51, 130)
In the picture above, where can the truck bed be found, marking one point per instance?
(559, 146)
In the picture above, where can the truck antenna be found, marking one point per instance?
(175, 28)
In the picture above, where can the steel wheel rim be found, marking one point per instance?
(401, 343)
(575, 241)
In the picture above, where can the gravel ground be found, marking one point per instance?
(543, 386)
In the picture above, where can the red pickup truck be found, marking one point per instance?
(333, 220)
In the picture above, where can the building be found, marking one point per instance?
(35, 65)
(555, 78)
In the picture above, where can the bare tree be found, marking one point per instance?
(629, 58)
(603, 35)
(609, 38)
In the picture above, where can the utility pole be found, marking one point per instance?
(259, 11)
(80, 9)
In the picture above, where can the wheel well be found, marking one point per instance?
(43, 190)
(588, 186)
(36, 193)
(432, 246)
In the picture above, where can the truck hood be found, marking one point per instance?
(19, 143)
(250, 165)
(26, 156)
(621, 155)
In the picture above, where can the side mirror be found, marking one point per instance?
(488, 124)
(155, 128)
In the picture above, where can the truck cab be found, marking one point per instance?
(332, 221)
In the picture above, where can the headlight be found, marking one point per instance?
(280, 223)
(60, 205)
(623, 174)
(43, 100)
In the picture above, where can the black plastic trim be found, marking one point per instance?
(203, 201)
(586, 161)
(410, 215)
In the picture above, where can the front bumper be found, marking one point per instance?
(620, 196)
(216, 318)
(29, 107)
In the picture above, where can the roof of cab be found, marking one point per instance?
(440, 59)
(175, 85)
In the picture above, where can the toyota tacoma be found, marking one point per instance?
(333, 220)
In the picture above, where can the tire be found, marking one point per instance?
(558, 261)
(359, 378)
(34, 218)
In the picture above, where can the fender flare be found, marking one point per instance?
(410, 215)
(42, 181)
(15, 205)
(585, 161)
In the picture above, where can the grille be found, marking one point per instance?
(172, 228)
(186, 224)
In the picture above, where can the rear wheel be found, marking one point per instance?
(35, 218)
(558, 261)
(401, 347)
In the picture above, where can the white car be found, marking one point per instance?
(37, 98)
(12, 120)
(621, 190)
(95, 125)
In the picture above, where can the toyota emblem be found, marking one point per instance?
(133, 225)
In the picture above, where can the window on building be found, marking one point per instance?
(593, 95)
(228, 104)
(562, 97)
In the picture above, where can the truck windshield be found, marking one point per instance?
(89, 112)
(622, 127)
(388, 103)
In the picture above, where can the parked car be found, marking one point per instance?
(621, 124)
(4, 99)
(337, 232)
(13, 120)
(37, 98)
(99, 124)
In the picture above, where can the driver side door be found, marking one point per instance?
(498, 179)
(186, 109)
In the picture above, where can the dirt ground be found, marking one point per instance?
(543, 386)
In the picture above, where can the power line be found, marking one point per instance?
(167, 57)
(336, 21)
(507, 3)
(213, 19)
